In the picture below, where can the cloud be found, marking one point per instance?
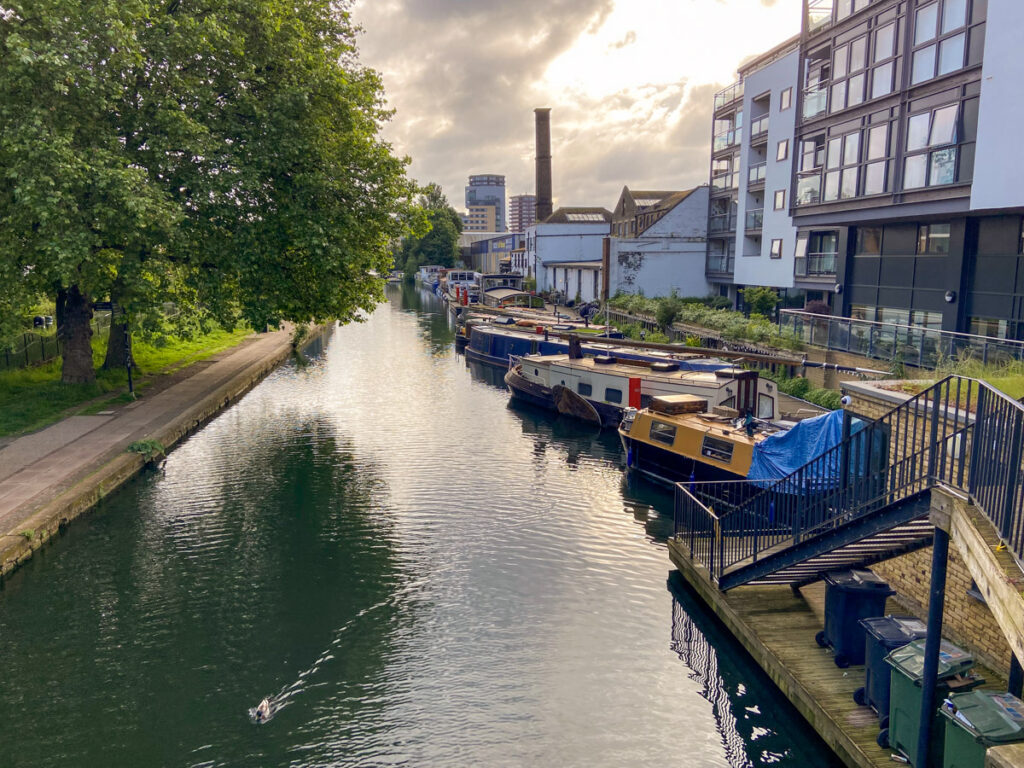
(465, 77)
(629, 39)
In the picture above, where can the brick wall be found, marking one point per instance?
(967, 621)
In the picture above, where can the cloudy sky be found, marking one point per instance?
(629, 82)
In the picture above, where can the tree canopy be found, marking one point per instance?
(440, 244)
(220, 154)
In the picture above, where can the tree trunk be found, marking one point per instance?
(116, 346)
(75, 310)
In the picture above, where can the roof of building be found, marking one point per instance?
(764, 59)
(582, 215)
(574, 264)
(649, 202)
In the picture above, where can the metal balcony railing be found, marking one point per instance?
(759, 127)
(815, 101)
(724, 182)
(729, 95)
(822, 265)
(721, 222)
(726, 139)
(916, 345)
(819, 15)
(720, 263)
(756, 173)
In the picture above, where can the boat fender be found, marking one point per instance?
(629, 456)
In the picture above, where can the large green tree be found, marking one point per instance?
(440, 244)
(220, 154)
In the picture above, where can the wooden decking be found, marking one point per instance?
(777, 627)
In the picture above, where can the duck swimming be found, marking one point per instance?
(263, 711)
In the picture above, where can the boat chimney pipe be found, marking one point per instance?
(543, 182)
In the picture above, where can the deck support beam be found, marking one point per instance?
(936, 606)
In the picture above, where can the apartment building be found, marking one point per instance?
(488, 189)
(480, 218)
(751, 239)
(522, 212)
(905, 201)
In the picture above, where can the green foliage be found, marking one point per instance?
(32, 398)
(760, 299)
(225, 156)
(826, 398)
(150, 449)
(530, 284)
(437, 241)
(28, 533)
(668, 310)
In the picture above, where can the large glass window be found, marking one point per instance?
(869, 241)
(931, 148)
(662, 432)
(933, 239)
(940, 39)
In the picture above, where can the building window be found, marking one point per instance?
(782, 151)
(876, 166)
(785, 99)
(931, 148)
(776, 251)
(842, 159)
(940, 39)
(869, 241)
(988, 326)
(933, 239)
(780, 199)
(816, 253)
(808, 183)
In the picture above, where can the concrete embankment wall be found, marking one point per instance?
(48, 520)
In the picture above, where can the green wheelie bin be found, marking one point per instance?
(905, 696)
(977, 720)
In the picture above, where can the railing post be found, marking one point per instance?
(1012, 477)
(976, 442)
(936, 606)
(933, 438)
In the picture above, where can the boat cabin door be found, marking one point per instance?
(746, 392)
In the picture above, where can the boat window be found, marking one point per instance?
(613, 395)
(584, 389)
(719, 450)
(646, 400)
(765, 407)
(663, 433)
(728, 402)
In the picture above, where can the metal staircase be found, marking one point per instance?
(868, 498)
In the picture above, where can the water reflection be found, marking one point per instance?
(436, 323)
(755, 727)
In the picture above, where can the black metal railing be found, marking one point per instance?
(960, 432)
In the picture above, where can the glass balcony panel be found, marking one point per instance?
(808, 190)
(721, 222)
(815, 101)
(754, 219)
(759, 127)
(729, 95)
(756, 173)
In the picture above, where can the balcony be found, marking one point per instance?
(759, 129)
(755, 174)
(726, 139)
(754, 220)
(808, 189)
(724, 182)
(819, 15)
(721, 222)
(815, 102)
(728, 95)
(720, 264)
(816, 266)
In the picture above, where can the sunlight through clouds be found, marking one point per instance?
(630, 85)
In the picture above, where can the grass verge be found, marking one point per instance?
(33, 398)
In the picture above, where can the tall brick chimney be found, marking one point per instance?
(543, 191)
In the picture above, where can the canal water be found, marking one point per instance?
(412, 571)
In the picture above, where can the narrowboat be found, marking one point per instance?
(460, 286)
(429, 275)
(607, 385)
(676, 439)
(506, 290)
(497, 341)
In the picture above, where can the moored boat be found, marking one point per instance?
(609, 384)
(676, 439)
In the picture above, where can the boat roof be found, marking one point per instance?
(504, 293)
(588, 363)
(720, 426)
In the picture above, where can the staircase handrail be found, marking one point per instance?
(916, 457)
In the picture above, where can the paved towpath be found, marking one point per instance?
(46, 470)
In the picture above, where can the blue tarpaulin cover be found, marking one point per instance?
(781, 454)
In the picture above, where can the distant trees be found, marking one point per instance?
(440, 244)
(224, 156)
